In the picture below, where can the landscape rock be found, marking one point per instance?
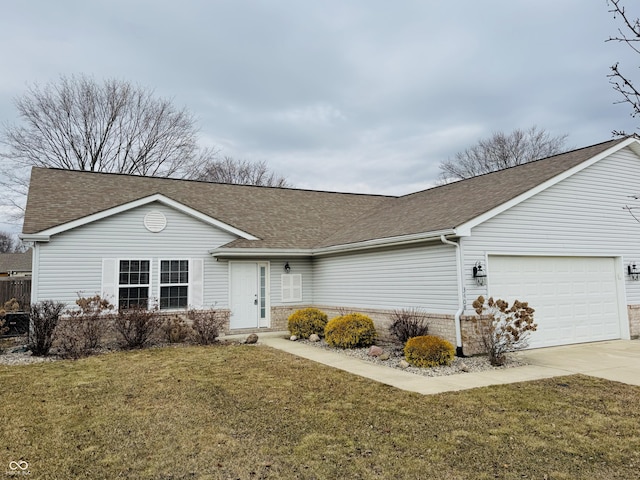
(403, 364)
(314, 337)
(293, 338)
(384, 356)
(464, 367)
(375, 351)
(252, 338)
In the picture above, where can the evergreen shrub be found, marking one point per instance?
(428, 351)
(304, 323)
(350, 331)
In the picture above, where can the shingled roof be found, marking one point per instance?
(292, 218)
(15, 262)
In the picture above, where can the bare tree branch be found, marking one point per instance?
(241, 172)
(79, 124)
(501, 151)
(629, 34)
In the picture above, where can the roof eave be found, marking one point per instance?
(224, 252)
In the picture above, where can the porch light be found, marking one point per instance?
(480, 275)
(287, 268)
(633, 270)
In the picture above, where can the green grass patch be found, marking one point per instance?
(253, 412)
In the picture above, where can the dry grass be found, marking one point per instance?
(252, 412)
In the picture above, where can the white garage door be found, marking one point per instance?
(575, 298)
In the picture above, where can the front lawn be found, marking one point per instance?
(252, 412)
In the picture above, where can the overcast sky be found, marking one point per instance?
(349, 95)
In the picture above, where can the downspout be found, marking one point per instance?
(461, 299)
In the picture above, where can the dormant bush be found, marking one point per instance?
(504, 329)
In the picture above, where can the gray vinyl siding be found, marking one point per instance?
(421, 277)
(71, 262)
(582, 215)
(298, 265)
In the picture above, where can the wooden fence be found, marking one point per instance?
(18, 288)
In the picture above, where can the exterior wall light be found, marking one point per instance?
(480, 275)
(287, 268)
(633, 270)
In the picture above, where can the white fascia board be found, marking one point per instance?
(466, 227)
(259, 252)
(145, 201)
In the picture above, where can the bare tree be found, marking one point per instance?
(502, 150)
(241, 172)
(7, 243)
(79, 124)
(629, 34)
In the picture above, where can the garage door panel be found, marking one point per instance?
(575, 298)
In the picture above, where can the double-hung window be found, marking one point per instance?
(133, 284)
(174, 284)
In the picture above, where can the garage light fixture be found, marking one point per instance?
(633, 271)
(479, 274)
(287, 268)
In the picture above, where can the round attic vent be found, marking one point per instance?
(155, 221)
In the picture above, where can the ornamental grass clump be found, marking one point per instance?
(504, 329)
(428, 351)
(350, 331)
(407, 323)
(304, 323)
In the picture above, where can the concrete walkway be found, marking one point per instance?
(617, 360)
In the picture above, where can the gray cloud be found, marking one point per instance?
(360, 95)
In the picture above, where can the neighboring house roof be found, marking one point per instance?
(300, 219)
(15, 262)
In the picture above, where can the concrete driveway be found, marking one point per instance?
(617, 360)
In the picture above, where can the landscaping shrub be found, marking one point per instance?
(506, 329)
(207, 324)
(136, 326)
(428, 351)
(407, 323)
(9, 306)
(176, 330)
(350, 331)
(81, 331)
(43, 319)
(304, 323)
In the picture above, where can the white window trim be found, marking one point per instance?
(189, 284)
(118, 284)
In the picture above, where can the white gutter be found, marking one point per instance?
(383, 242)
(461, 299)
(26, 237)
(259, 252)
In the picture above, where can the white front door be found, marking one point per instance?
(249, 295)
